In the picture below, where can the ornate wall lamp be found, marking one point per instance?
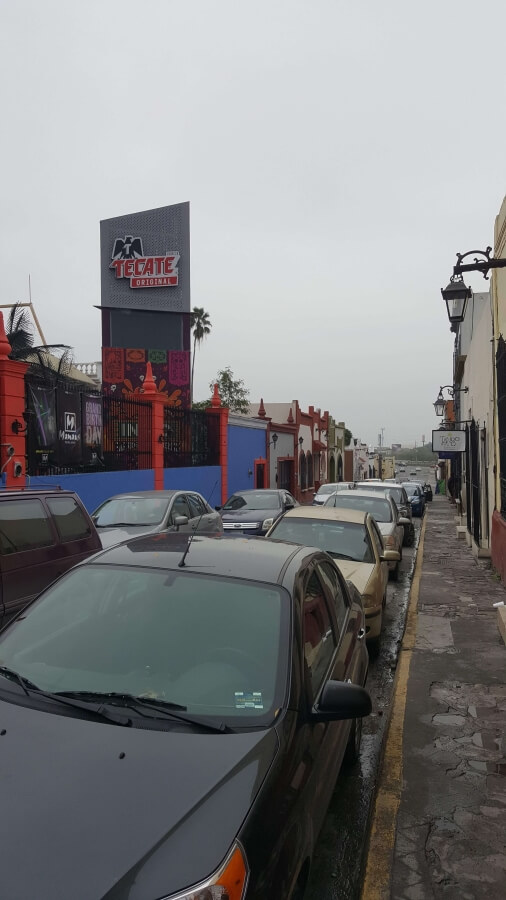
(440, 401)
(457, 293)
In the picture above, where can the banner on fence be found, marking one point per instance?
(42, 431)
(92, 427)
(68, 407)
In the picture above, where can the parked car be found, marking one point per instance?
(416, 497)
(177, 713)
(384, 511)
(150, 512)
(355, 542)
(325, 489)
(254, 511)
(42, 534)
(402, 501)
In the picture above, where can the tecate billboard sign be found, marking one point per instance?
(448, 441)
(145, 260)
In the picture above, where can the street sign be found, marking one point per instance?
(448, 441)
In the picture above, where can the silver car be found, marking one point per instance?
(148, 512)
(384, 510)
(402, 501)
(324, 490)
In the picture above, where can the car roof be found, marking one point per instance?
(332, 513)
(363, 493)
(163, 495)
(255, 559)
(29, 491)
(261, 491)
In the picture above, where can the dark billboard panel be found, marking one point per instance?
(68, 405)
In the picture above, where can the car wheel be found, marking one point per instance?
(352, 752)
(411, 535)
(394, 573)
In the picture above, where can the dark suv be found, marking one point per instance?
(42, 534)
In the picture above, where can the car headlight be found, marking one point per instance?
(229, 883)
(267, 523)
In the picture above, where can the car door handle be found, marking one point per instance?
(361, 634)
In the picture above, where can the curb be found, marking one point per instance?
(501, 621)
(385, 802)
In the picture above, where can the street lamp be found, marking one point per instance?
(440, 402)
(456, 293)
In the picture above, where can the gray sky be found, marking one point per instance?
(336, 155)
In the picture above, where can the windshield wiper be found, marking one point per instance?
(116, 525)
(130, 701)
(30, 689)
(25, 683)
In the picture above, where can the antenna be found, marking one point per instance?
(185, 554)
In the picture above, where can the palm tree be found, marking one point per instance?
(20, 336)
(201, 324)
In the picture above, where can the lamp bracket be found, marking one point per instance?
(479, 265)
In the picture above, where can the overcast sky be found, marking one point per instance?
(336, 155)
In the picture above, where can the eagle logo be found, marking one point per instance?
(128, 248)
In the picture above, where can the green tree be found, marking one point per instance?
(201, 325)
(18, 329)
(233, 393)
(347, 437)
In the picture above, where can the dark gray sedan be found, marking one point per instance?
(255, 511)
(174, 716)
(149, 512)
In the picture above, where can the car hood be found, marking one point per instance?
(250, 515)
(115, 535)
(357, 572)
(105, 812)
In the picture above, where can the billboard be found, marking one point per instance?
(448, 441)
(145, 260)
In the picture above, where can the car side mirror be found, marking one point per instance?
(180, 520)
(390, 556)
(404, 521)
(217, 508)
(342, 700)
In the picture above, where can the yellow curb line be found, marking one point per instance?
(382, 838)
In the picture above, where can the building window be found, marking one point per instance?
(302, 471)
(309, 469)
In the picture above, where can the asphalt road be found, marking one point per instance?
(340, 856)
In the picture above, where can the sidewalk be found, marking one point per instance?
(450, 836)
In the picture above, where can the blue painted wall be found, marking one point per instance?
(95, 487)
(204, 479)
(244, 446)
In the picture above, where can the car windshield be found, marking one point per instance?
(380, 509)
(212, 644)
(253, 500)
(327, 489)
(131, 511)
(342, 540)
(411, 489)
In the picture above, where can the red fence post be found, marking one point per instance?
(216, 409)
(12, 407)
(157, 406)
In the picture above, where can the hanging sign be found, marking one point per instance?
(448, 441)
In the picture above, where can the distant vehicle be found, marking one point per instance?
(413, 472)
(326, 489)
(416, 497)
(254, 511)
(402, 501)
(418, 469)
(149, 512)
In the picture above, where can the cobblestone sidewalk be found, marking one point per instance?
(451, 826)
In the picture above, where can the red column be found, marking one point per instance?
(157, 405)
(12, 407)
(216, 409)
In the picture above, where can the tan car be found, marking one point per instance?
(353, 539)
